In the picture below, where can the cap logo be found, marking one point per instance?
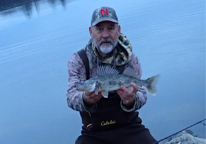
(104, 11)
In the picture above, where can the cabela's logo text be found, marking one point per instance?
(103, 123)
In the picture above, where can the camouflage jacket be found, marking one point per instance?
(77, 73)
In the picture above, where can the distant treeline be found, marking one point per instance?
(10, 6)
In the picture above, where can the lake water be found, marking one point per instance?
(37, 38)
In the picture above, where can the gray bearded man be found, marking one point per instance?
(113, 119)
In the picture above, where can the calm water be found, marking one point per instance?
(38, 37)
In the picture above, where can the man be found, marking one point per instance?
(112, 120)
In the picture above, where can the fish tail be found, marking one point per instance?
(151, 84)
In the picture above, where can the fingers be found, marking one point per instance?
(119, 92)
(93, 92)
(91, 97)
(135, 87)
(123, 88)
(126, 95)
(89, 93)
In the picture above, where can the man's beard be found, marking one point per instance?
(105, 48)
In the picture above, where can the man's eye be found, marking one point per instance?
(99, 28)
(111, 28)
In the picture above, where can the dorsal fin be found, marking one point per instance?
(102, 70)
(130, 72)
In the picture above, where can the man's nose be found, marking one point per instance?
(105, 33)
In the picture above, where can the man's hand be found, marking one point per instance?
(91, 98)
(128, 96)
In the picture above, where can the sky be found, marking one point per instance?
(167, 36)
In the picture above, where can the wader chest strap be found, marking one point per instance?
(85, 60)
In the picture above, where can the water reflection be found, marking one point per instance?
(8, 7)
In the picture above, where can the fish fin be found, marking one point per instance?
(96, 91)
(105, 93)
(130, 88)
(93, 87)
(130, 72)
(151, 84)
(103, 70)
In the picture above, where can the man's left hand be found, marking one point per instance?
(128, 96)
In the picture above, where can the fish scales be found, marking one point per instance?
(113, 82)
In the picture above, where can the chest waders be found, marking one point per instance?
(108, 113)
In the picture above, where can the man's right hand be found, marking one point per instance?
(91, 98)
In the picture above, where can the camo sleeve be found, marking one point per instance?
(77, 73)
(141, 96)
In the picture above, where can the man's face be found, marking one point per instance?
(105, 36)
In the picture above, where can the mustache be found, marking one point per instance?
(106, 40)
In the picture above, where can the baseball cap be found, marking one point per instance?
(104, 14)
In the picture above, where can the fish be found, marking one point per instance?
(108, 79)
